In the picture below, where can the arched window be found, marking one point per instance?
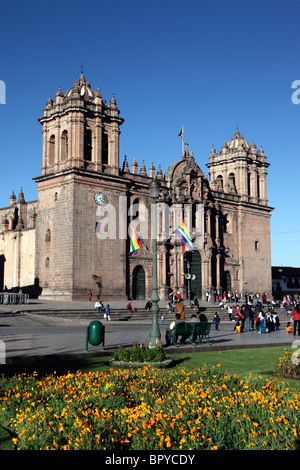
(51, 150)
(231, 181)
(138, 215)
(64, 146)
(219, 181)
(104, 148)
(225, 223)
(249, 184)
(48, 236)
(258, 186)
(134, 210)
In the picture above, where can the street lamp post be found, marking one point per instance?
(155, 332)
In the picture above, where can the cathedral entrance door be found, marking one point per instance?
(194, 260)
(138, 283)
(227, 281)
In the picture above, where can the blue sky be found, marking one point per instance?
(206, 65)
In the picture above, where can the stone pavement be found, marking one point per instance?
(26, 336)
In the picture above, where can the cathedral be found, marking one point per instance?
(76, 235)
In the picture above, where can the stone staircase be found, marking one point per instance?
(140, 315)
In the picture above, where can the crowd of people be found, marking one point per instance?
(248, 317)
(235, 297)
(256, 313)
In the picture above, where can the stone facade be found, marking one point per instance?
(72, 242)
(17, 243)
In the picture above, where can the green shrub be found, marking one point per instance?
(140, 353)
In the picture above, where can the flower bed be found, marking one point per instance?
(149, 409)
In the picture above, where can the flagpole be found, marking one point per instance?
(182, 137)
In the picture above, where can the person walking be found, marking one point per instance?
(107, 312)
(262, 323)
(296, 319)
(216, 320)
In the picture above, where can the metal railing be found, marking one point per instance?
(7, 298)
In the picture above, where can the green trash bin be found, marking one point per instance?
(95, 334)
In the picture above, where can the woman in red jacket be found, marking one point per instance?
(296, 319)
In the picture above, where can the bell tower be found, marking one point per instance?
(80, 161)
(238, 179)
(239, 168)
(80, 130)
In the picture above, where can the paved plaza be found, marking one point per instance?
(27, 336)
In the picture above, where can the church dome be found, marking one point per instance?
(186, 165)
(237, 142)
(82, 88)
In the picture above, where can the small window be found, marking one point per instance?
(256, 245)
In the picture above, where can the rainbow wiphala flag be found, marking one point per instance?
(183, 233)
(135, 242)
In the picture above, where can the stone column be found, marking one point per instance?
(218, 272)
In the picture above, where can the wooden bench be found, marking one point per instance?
(189, 331)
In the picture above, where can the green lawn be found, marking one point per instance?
(241, 362)
(236, 361)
